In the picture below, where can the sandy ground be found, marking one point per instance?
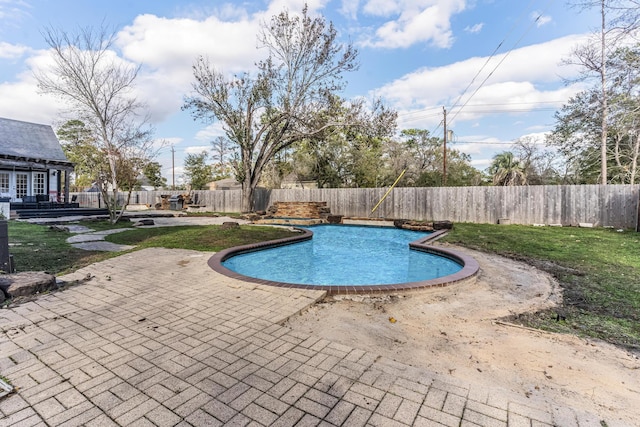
(454, 331)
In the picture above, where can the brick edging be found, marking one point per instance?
(469, 265)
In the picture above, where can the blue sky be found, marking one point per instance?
(418, 55)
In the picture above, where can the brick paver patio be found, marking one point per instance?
(156, 338)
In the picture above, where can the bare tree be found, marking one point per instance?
(542, 165)
(618, 20)
(97, 85)
(292, 97)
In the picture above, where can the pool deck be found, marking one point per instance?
(156, 338)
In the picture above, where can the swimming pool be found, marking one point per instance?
(343, 259)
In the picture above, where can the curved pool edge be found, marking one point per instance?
(470, 267)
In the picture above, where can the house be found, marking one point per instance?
(293, 181)
(32, 163)
(225, 184)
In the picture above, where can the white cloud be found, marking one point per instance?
(197, 149)
(171, 141)
(537, 138)
(21, 100)
(481, 164)
(529, 75)
(540, 19)
(421, 21)
(175, 43)
(12, 12)
(382, 7)
(482, 149)
(477, 144)
(12, 51)
(475, 28)
(210, 132)
(349, 8)
(168, 48)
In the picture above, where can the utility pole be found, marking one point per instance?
(444, 156)
(173, 168)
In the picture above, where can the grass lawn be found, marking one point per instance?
(199, 238)
(38, 248)
(598, 270)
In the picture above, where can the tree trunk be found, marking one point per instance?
(634, 160)
(247, 197)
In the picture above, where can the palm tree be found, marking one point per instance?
(507, 170)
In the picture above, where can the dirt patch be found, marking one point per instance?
(455, 331)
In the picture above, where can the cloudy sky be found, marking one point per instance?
(495, 65)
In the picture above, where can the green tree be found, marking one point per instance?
(153, 173)
(365, 163)
(578, 129)
(421, 156)
(507, 170)
(324, 161)
(576, 135)
(291, 98)
(79, 146)
(619, 19)
(197, 172)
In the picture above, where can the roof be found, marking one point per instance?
(30, 141)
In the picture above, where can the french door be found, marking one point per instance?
(22, 185)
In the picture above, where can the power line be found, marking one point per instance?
(484, 143)
(480, 110)
(506, 55)
(492, 55)
(420, 111)
(485, 108)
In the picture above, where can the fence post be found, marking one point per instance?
(5, 258)
(638, 211)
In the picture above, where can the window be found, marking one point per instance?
(21, 185)
(39, 182)
(4, 182)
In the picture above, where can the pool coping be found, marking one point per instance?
(470, 266)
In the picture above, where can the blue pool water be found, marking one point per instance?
(346, 255)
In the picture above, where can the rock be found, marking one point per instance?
(442, 225)
(272, 210)
(420, 225)
(58, 228)
(144, 222)
(261, 213)
(398, 223)
(27, 283)
(334, 219)
(229, 224)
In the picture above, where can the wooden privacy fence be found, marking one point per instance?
(610, 205)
